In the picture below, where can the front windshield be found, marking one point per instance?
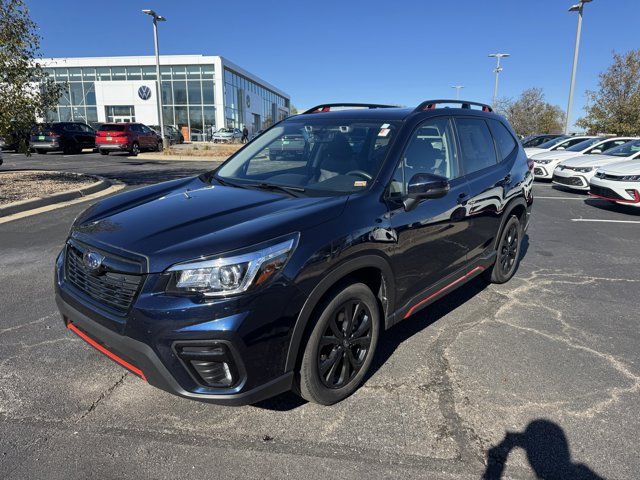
(624, 150)
(578, 147)
(553, 143)
(322, 155)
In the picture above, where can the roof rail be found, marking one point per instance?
(431, 104)
(326, 107)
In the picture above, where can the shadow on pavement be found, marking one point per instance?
(547, 450)
(612, 207)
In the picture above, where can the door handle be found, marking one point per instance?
(462, 199)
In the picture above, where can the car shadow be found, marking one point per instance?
(401, 332)
(580, 193)
(547, 449)
(612, 207)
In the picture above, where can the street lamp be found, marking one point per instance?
(458, 88)
(575, 8)
(158, 18)
(497, 70)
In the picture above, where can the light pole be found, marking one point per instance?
(575, 8)
(497, 70)
(458, 88)
(158, 18)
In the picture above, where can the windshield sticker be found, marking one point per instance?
(383, 132)
(360, 183)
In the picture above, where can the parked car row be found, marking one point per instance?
(606, 167)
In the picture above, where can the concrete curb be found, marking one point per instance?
(176, 158)
(33, 203)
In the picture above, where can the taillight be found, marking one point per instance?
(52, 134)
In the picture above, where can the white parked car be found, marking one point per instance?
(618, 182)
(227, 135)
(576, 172)
(545, 163)
(559, 143)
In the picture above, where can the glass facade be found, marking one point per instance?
(235, 88)
(188, 97)
(188, 93)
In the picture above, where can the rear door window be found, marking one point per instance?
(476, 144)
(505, 141)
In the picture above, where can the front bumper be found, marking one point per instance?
(624, 193)
(542, 171)
(571, 179)
(255, 331)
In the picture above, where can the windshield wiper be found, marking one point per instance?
(294, 191)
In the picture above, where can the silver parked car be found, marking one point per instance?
(227, 135)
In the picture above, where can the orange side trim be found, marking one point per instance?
(443, 289)
(106, 352)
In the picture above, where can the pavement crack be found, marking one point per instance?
(104, 395)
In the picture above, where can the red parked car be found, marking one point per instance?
(127, 137)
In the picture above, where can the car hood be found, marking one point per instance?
(533, 151)
(629, 167)
(591, 160)
(556, 155)
(186, 219)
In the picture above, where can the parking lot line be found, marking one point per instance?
(560, 198)
(601, 220)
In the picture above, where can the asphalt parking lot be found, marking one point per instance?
(543, 372)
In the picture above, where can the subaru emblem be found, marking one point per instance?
(144, 92)
(92, 260)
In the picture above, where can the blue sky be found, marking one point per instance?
(398, 52)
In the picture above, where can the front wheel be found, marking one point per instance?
(135, 149)
(508, 252)
(340, 349)
(159, 147)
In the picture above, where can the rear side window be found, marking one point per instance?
(476, 144)
(504, 140)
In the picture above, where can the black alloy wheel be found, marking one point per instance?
(135, 149)
(508, 252)
(345, 344)
(341, 346)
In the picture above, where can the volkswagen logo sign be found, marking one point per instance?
(248, 101)
(92, 260)
(144, 92)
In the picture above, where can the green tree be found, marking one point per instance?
(615, 106)
(26, 91)
(530, 113)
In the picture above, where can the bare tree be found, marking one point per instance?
(26, 91)
(530, 113)
(615, 106)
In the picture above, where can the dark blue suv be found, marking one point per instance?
(282, 269)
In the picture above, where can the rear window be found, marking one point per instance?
(43, 127)
(114, 127)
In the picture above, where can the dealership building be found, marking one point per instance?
(200, 94)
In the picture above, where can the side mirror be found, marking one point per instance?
(596, 150)
(560, 148)
(423, 186)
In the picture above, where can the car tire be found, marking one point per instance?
(339, 351)
(40, 151)
(135, 149)
(508, 252)
(159, 147)
(103, 152)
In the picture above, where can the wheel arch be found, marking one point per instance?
(516, 206)
(372, 270)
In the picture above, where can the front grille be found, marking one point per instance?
(573, 181)
(111, 289)
(538, 171)
(605, 192)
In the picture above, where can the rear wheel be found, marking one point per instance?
(103, 152)
(41, 151)
(508, 253)
(135, 149)
(341, 346)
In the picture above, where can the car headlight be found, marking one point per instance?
(543, 162)
(231, 274)
(585, 169)
(631, 178)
